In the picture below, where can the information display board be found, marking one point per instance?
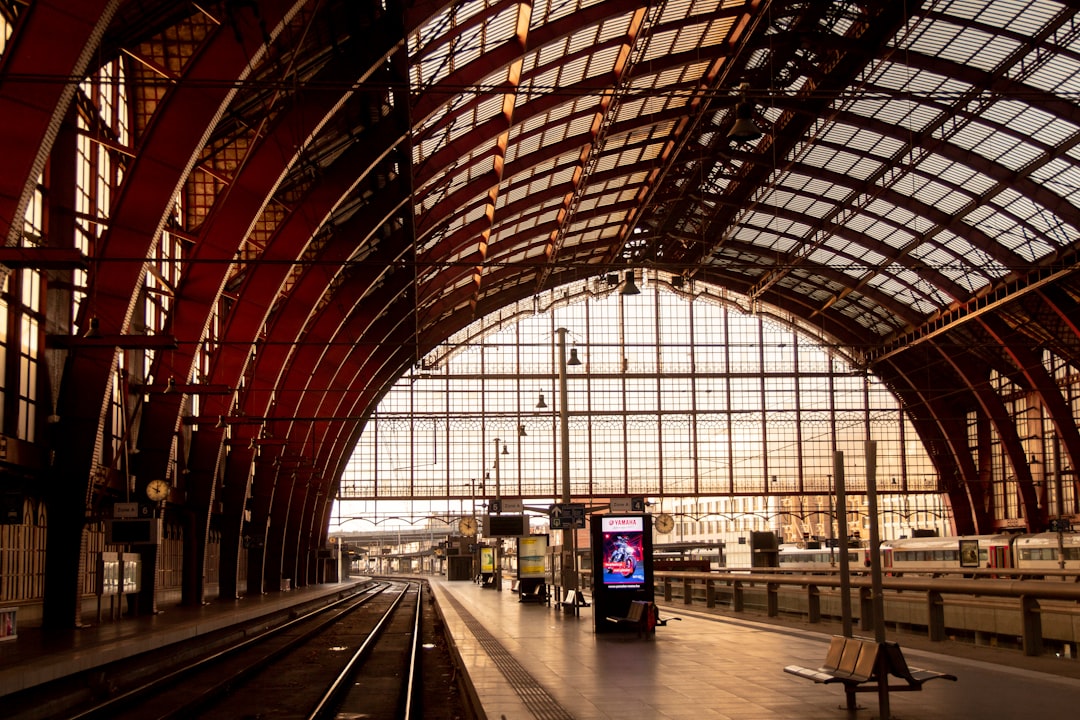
(532, 556)
(506, 525)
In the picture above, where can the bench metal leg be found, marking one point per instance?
(882, 671)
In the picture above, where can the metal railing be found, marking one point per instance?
(987, 603)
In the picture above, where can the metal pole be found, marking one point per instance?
(569, 578)
(1059, 501)
(841, 522)
(498, 541)
(497, 489)
(877, 602)
(832, 533)
(875, 541)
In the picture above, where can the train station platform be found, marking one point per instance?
(36, 657)
(532, 660)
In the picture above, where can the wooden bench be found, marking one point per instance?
(641, 617)
(863, 665)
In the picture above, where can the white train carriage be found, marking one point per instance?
(796, 559)
(938, 554)
(1043, 551)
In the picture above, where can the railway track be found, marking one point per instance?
(360, 657)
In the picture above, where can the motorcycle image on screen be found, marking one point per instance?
(622, 559)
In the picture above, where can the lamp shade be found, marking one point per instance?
(744, 129)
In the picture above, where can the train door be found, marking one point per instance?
(998, 556)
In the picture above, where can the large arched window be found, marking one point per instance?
(679, 393)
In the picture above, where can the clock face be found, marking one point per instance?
(664, 523)
(157, 490)
(467, 526)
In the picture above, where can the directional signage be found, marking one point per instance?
(566, 516)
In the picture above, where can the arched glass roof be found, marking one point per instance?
(321, 193)
(891, 182)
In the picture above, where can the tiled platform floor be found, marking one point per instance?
(530, 660)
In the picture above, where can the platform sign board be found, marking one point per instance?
(125, 510)
(532, 556)
(566, 516)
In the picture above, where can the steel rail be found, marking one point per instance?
(328, 702)
(129, 697)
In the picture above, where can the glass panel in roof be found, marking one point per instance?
(947, 199)
(571, 72)
(910, 95)
(867, 258)
(1024, 17)
(545, 11)
(827, 257)
(662, 42)
(693, 37)
(969, 46)
(1060, 177)
(924, 189)
(541, 66)
(861, 140)
(580, 42)
(1055, 72)
(676, 10)
(889, 286)
(614, 29)
(602, 61)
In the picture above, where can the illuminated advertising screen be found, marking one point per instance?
(623, 552)
(487, 560)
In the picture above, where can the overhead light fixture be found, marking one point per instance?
(573, 359)
(170, 386)
(744, 129)
(521, 430)
(629, 287)
(541, 404)
(95, 328)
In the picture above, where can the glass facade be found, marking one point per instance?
(677, 394)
